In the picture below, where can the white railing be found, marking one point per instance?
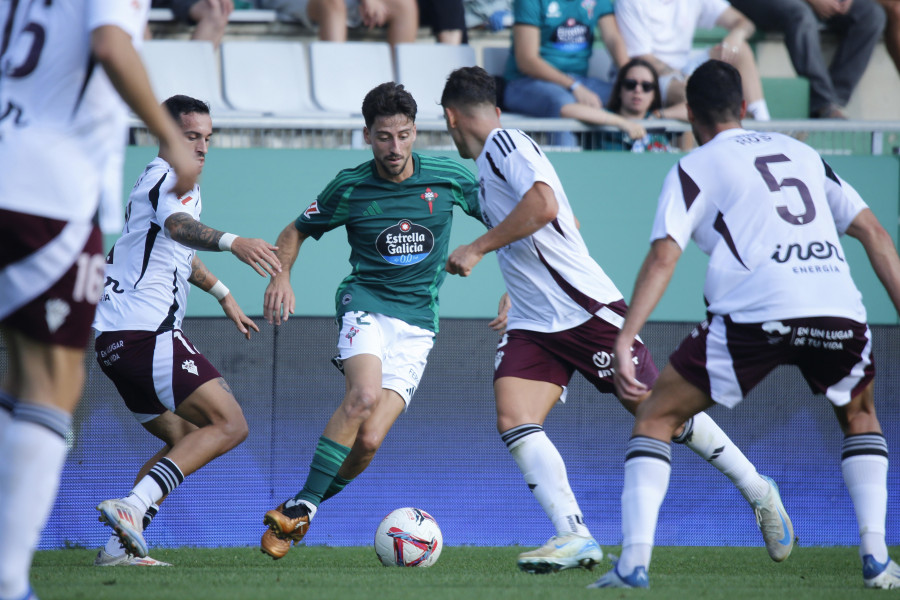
(313, 131)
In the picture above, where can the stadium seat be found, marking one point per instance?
(423, 70)
(271, 77)
(493, 59)
(344, 72)
(185, 67)
(602, 65)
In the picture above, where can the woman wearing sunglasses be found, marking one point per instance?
(636, 96)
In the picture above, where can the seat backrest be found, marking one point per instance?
(344, 72)
(601, 64)
(423, 70)
(184, 67)
(271, 77)
(493, 59)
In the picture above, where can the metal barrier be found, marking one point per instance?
(826, 136)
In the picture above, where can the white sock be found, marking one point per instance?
(142, 499)
(34, 449)
(164, 477)
(647, 470)
(864, 465)
(714, 446)
(759, 110)
(545, 473)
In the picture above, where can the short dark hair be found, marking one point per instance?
(387, 100)
(615, 99)
(714, 93)
(469, 86)
(180, 104)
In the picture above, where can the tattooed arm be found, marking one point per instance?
(185, 229)
(203, 278)
(257, 253)
(201, 275)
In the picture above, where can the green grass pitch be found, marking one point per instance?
(470, 573)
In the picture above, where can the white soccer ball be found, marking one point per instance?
(408, 537)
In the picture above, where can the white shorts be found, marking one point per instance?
(696, 57)
(402, 348)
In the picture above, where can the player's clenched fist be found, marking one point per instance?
(463, 260)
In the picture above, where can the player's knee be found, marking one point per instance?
(359, 402)
(507, 422)
(234, 431)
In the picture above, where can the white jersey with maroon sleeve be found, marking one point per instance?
(552, 281)
(147, 271)
(61, 120)
(769, 212)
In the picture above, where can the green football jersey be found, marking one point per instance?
(399, 234)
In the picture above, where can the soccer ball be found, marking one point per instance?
(408, 537)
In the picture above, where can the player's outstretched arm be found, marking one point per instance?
(537, 208)
(652, 281)
(257, 253)
(113, 49)
(881, 251)
(206, 281)
(279, 300)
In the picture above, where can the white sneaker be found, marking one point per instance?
(562, 552)
(884, 576)
(612, 579)
(105, 559)
(127, 523)
(774, 523)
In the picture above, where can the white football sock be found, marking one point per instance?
(164, 477)
(864, 465)
(545, 473)
(647, 471)
(33, 451)
(714, 446)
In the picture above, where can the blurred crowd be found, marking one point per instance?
(651, 46)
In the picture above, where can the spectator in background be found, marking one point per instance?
(636, 96)
(859, 24)
(332, 18)
(493, 15)
(447, 19)
(892, 30)
(546, 73)
(662, 33)
(209, 17)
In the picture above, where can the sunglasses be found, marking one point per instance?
(631, 85)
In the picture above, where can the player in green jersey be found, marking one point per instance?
(397, 209)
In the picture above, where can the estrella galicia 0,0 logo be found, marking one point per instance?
(405, 243)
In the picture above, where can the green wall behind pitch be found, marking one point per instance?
(256, 192)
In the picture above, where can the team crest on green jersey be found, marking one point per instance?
(405, 243)
(429, 196)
